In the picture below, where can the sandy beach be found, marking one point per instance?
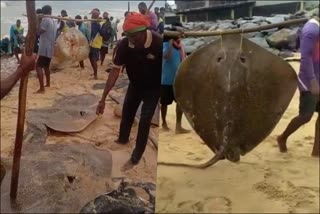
(69, 81)
(265, 181)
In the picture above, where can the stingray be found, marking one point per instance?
(69, 114)
(233, 93)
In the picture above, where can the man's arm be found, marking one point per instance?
(27, 64)
(111, 81)
(118, 62)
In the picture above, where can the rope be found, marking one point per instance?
(241, 41)
(222, 46)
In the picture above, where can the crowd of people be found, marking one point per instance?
(139, 51)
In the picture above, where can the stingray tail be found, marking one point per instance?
(212, 161)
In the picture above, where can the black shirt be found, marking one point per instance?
(143, 65)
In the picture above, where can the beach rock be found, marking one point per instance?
(192, 46)
(314, 12)
(189, 41)
(276, 19)
(226, 25)
(286, 54)
(274, 51)
(242, 21)
(213, 27)
(258, 19)
(283, 39)
(267, 32)
(199, 26)
(208, 25)
(209, 39)
(250, 25)
(260, 41)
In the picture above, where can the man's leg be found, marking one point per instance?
(315, 151)
(94, 57)
(164, 109)
(47, 73)
(81, 63)
(40, 78)
(129, 109)
(165, 100)
(16, 53)
(94, 67)
(103, 52)
(306, 110)
(150, 102)
(179, 129)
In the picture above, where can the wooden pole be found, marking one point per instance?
(66, 18)
(128, 6)
(151, 5)
(32, 28)
(234, 31)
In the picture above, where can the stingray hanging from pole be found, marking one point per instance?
(32, 28)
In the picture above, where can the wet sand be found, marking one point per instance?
(74, 81)
(265, 181)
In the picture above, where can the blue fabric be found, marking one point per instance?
(95, 29)
(83, 28)
(170, 67)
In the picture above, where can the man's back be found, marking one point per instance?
(309, 67)
(47, 38)
(170, 66)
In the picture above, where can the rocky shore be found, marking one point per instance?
(280, 41)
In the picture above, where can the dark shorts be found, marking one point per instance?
(104, 50)
(308, 103)
(166, 95)
(44, 62)
(94, 53)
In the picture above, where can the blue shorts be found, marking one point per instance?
(94, 53)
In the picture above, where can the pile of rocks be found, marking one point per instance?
(282, 42)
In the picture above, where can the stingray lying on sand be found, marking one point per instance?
(233, 92)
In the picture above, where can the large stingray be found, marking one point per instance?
(233, 95)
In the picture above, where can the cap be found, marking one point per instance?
(94, 10)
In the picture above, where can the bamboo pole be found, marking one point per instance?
(66, 18)
(151, 5)
(234, 31)
(32, 28)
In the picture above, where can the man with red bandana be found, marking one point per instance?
(309, 80)
(141, 53)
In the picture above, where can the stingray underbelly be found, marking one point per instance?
(73, 45)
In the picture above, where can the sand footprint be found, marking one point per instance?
(217, 204)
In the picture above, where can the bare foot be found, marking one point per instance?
(182, 131)
(40, 91)
(165, 127)
(282, 144)
(48, 86)
(121, 143)
(127, 166)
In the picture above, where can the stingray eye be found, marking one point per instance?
(82, 113)
(243, 59)
(219, 59)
